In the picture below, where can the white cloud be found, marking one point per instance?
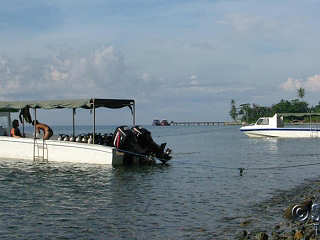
(146, 77)
(193, 77)
(76, 73)
(312, 84)
(63, 73)
(240, 22)
(291, 84)
(57, 75)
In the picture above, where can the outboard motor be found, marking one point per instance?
(149, 147)
(138, 140)
(124, 139)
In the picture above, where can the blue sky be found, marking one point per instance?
(179, 59)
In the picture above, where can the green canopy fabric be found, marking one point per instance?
(75, 103)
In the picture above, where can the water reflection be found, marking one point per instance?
(271, 144)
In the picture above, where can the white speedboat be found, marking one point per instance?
(274, 127)
(37, 149)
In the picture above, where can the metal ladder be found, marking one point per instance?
(314, 132)
(40, 151)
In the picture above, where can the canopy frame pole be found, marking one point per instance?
(34, 134)
(9, 124)
(94, 122)
(73, 121)
(23, 126)
(134, 114)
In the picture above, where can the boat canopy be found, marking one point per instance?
(298, 114)
(75, 103)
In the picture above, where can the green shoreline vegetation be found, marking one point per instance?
(250, 113)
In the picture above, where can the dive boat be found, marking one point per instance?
(124, 146)
(274, 127)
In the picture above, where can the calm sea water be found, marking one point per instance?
(198, 195)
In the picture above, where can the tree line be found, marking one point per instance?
(252, 112)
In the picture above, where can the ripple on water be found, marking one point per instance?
(199, 195)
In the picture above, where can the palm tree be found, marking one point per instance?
(233, 112)
(301, 92)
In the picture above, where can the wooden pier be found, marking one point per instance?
(204, 123)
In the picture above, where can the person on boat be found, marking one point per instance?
(15, 131)
(47, 131)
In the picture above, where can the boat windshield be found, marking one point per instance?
(263, 121)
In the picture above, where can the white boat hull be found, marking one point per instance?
(282, 132)
(58, 151)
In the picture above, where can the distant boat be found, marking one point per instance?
(273, 127)
(164, 122)
(156, 122)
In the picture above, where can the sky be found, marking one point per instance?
(181, 60)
